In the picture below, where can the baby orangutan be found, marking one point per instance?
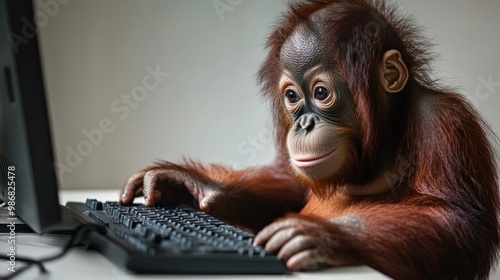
(376, 164)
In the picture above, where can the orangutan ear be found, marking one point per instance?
(393, 73)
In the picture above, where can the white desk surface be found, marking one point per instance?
(81, 264)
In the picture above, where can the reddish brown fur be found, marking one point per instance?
(448, 187)
(440, 219)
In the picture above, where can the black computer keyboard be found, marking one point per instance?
(178, 240)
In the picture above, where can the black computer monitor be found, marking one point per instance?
(25, 141)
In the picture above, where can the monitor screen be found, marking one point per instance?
(27, 179)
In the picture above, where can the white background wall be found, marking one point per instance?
(208, 108)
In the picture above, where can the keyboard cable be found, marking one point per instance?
(80, 233)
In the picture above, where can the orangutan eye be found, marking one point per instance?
(321, 93)
(292, 97)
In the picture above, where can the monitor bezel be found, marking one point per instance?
(25, 141)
